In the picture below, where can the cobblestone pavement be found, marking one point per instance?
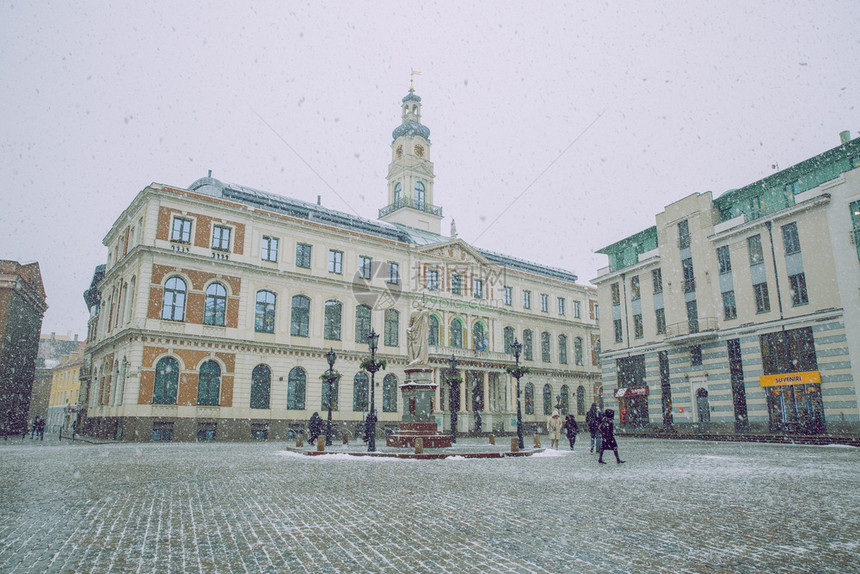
(676, 506)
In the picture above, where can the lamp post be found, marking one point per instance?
(372, 366)
(518, 372)
(558, 404)
(330, 357)
(454, 392)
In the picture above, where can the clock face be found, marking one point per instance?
(419, 150)
(399, 151)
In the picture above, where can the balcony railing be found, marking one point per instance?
(704, 325)
(409, 202)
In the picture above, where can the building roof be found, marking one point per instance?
(381, 229)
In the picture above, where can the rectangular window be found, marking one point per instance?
(509, 296)
(392, 273)
(456, 284)
(303, 255)
(616, 294)
(791, 351)
(660, 315)
(561, 305)
(635, 294)
(433, 279)
(181, 230)
(619, 336)
(756, 253)
(392, 327)
(790, 238)
(696, 355)
(762, 301)
(220, 238)
(689, 277)
(797, 284)
(730, 309)
(596, 313)
(724, 259)
(693, 316)
(335, 261)
(657, 280)
(365, 269)
(577, 310)
(544, 303)
(527, 299)
(638, 329)
(684, 234)
(755, 207)
(269, 249)
(478, 288)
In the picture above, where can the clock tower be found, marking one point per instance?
(410, 173)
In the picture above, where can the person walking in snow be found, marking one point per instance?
(553, 427)
(592, 421)
(570, 428)
(607, 436)
(314, 427)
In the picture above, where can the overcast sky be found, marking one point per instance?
(556, 129)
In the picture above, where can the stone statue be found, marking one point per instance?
(416, 335)
(453, 228)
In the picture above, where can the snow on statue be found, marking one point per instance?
(416, 334)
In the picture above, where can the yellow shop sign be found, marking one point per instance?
(804, 378)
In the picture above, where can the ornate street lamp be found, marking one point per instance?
(330, 375)
(454, 399)
(372, 366)
(517, 372)
(558, 404)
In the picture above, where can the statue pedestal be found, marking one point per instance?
(418, 392)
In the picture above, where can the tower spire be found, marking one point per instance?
(412, 75)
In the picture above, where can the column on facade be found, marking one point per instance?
(486, 391)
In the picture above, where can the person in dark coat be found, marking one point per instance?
(607, 436)
(592, 420)
(314, 427)
(570, 429)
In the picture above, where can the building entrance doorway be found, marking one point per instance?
(795, 409)
(703, 410)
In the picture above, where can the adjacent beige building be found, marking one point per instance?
(217, 304)
(742, 312)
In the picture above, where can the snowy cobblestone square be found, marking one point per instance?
(676, 506)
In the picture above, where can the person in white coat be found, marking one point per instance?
(553, 426)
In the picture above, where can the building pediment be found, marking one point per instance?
(456, 251)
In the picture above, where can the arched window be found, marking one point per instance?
(565, 400)
(362, 323)
(166, 382)
(398, 194)
(264, 319)
(545, 351)
(528, 346)
(530, 399)
(392, 327)
(547, 399)
(480, 341)
(331, 321)
(209, 383)
(173, 304)
(433, 332)
(131, 291)
(389, 394)
(261, 386)
(215, 308)
(562, 349)
(296, 385)
(419, 195)
(509, 340)
(300, 318)
(455, 336)
(580, 400)
(335, 393)
(577, 350)
(360, 390)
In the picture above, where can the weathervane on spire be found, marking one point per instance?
(412, 75)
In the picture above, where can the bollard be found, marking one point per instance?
(419, 445)
(300, 440)
(515, 444)
(345, 437)
(537, 441)
(492, 438)
(321, 443)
